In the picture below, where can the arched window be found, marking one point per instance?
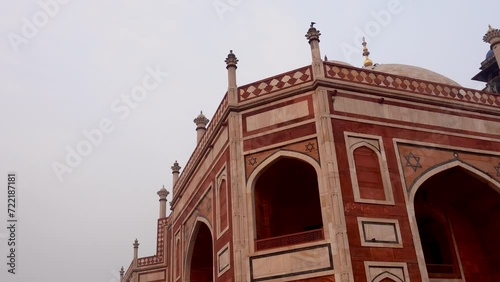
(223, 216)
(287, 205)
(178, 258)
(368, 174)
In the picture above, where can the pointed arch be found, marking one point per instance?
(178, 255)
(222, 203)
(266, 209)
(365, 143)
(445, 228)
(274, 157)
(369, 173)
(448, 165)
(204, 225)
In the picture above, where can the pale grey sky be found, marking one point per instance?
(67, 67)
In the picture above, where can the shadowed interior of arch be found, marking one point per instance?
(457, 216)
(202, 256)
(287, 204)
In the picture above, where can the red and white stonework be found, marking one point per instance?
(336, 173)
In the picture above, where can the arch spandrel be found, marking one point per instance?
(307, 147)
(416, 161)
(202, 210)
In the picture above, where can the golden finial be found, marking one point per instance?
(366, 53)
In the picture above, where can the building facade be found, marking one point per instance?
(331, 172)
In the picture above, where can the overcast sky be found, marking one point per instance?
(68, 69)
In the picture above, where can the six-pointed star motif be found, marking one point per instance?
(252, 161)
(413, 161)
(310, 147)
(497, 168)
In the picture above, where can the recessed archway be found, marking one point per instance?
(457, 213)
(200, 266)
(287, 208)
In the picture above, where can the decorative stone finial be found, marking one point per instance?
(175, 174)
(491, 34)
(312, 33)
(201, 125)
(175, 168)
(122, 272)
(201, 120)
(231, 60)
(136, 244)
(366, 53)
(163, 193)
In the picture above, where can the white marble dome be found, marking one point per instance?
(413, 72)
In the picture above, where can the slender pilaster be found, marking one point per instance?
(240, 239)
(330, 191)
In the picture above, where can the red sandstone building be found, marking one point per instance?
(331, 172)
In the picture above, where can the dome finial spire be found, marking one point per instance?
(366, 53)
(492, 36)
